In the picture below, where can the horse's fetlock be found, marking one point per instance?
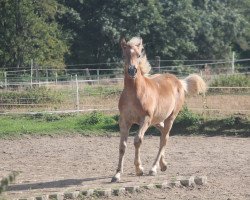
(137, 141)
(122, 150)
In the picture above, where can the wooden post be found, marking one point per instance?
(98, 76)
(5, 80)
(56, 77)
(37, 75)
(158, 63)
(47, 76)
(77, 94)
(31, 72)
(88, 74)
(233, 60)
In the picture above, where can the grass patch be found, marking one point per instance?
(52, 124)
(236, 80)
(102, 90)
(97, 123)
(35, 95)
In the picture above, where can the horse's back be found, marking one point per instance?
(167, 80)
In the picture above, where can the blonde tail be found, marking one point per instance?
(194, 84)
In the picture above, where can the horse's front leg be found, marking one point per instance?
(124, 131)
(137, 143)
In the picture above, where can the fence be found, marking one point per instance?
(84, 96)
(45, 76)
(80, 90)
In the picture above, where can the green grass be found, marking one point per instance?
(102, 89)
(35, 95)
(95, 123)
(236, 80)
(49, 124)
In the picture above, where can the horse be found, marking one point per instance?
(149, 100)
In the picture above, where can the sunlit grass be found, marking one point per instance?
(97, 123)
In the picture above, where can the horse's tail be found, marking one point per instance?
(194, 84)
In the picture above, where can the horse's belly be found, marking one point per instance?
(162, 113)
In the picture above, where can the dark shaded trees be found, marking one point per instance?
(55, 32)
(28, 31)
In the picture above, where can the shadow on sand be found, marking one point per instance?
(53, 184)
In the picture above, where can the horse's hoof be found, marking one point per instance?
(139, 173)
(163, 168)
(152, 173)
(116, 178)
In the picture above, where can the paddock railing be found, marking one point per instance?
(44, 90)
(86, 96)
(42, 75)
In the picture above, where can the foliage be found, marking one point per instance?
(97, 121)
(171, 29)
(6, 181)
(58, 31)
(35, 95)
(29, 31)
(236, 80)
(188, 121)
(220, 25)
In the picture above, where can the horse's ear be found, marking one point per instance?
(123, 42)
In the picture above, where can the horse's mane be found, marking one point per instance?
(144, 64)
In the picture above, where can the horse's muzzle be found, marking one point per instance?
(132, 71)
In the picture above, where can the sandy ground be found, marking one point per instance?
(54, 164)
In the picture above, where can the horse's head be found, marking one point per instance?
(135, 57)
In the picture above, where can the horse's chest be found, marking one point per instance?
(133, 107)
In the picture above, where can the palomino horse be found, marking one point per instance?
(149, 101)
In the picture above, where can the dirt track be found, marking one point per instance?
(50, 165)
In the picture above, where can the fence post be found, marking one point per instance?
(98, 74)
(77, 94)
(56, 77)
(88, 74)
(31, 72)
(37, 75)
(233, 60)
(5, 80)
(158, 63)
(47, 76)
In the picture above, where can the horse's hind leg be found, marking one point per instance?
(124, 131)
(137, 143)
(163, 141)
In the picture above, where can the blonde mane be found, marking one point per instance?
(144, 64)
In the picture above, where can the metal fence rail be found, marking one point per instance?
(84, 90)
(84, 96)
(40, 75)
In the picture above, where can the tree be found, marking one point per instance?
(184, 29)
(101, 24)
(220, 25)
(29, 31)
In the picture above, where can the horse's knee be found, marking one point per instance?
(137, 141)
(122, 147)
